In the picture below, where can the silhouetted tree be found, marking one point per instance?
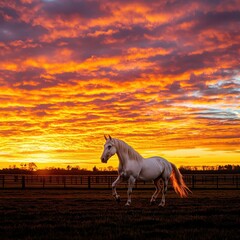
(32, 166)
(95, 169)
(69, 167)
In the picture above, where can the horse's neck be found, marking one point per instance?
(123, 158)
(123, 154)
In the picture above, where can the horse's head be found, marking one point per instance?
(109, 149)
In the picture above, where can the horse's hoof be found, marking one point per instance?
(127, 204)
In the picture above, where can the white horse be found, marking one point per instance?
(133, 166)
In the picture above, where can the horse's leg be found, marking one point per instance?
(164, 191)
(153, 198)
(158, 188)
(114, 186)
(131, 182)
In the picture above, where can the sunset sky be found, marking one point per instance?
(164, 76)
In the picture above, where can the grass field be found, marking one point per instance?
(85, 214)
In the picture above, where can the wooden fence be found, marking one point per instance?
(193, 181)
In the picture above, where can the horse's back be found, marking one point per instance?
(154, 167)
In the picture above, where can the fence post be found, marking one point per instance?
(89, 182)
(43, 182)
(193, 181)
(64, 182)
(217, 182)
(3, 181)
(23, 182)
(109, 181)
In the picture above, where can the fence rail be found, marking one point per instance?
(193, 181)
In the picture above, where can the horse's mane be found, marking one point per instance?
(133, 154)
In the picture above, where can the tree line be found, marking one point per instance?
(31, 168)
(219, 168)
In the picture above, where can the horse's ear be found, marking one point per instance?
(110, 137)
(105, 137)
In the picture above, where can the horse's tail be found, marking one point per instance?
(178, 183)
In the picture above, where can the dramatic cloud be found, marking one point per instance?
(162, 75)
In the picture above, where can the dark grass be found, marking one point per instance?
(82, 214)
